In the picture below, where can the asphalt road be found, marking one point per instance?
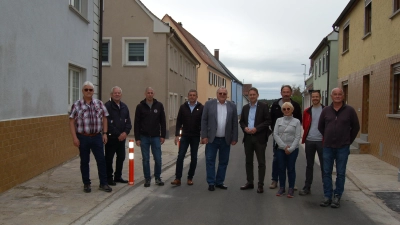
(196, 205)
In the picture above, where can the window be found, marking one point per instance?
(210, 78)
(80, 7)
(106, 52)
(323, 64)
(346, 91)
(346, 36)
(396, 89)
(136, 51)
(173, 105)
(223, 82)
(396, 5)
(77, 4)
(74, 82)
(215, 79)
(319, 67)
(315, 71)
(367, 28)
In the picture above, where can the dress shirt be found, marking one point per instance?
(221, 115)
(252, 115)
(192, 106)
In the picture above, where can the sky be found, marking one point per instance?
(262, 42)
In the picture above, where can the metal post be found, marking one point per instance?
(131, 162)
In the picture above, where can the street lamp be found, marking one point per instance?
(305, 69)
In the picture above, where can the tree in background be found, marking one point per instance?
(296, 95)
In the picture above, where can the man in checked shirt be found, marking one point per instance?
(88, 126)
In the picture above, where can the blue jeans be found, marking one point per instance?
(287, 162)
(275, 167)
(95, 144)
(145, 143)
(340, 155)
(194, 147)
(220, 144)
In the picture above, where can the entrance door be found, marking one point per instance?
(365, 105)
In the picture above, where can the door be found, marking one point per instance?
(365, 105)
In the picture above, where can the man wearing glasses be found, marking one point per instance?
(219, 130)
(88, 126)
(276, 112)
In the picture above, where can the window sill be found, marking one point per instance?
(395, 14)
(135, 65)
(106, 64)
(78, 13)
(394, 116)
(366, 35)
(347, 50)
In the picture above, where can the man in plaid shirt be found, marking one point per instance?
(88, 125)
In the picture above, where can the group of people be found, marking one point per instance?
(328, 131)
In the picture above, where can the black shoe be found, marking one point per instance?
(120, 180)
(211, 188)
(326, 202)
(305, 191)
(105, 188)
(221, 186)
(247, 186)
(159, 182)
(336, 201)
(111, 182)
(147, 183)
(87, 188)
(260, 189)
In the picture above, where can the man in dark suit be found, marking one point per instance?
(219, 130)
(255, 121)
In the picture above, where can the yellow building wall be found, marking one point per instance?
(28, 147)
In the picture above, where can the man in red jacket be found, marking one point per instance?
(312, 138)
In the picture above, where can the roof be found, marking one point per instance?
(230, 74)
(346, 10)
(199, 47)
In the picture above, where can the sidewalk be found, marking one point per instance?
(57, 197)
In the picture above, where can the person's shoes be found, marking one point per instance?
(211, 188)
(120, 180)
(189, 182)
(281, 191)
(111, 182)
(273, 185)
(176, 182)
(147, 183)
(335, 202)
(260, 189)
(87, 188)
(290, 193)
(326, 202)
(295, 188)
(247, 186)
(159, 182)
(105, 188)
(221, 186)
(305, 191)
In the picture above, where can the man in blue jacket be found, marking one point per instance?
(119, 126)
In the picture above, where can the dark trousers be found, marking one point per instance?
(251, 145)
(115, 147)
(312, 147)
(186, 141)
(275, 165)
(95, 144)
(287, 163)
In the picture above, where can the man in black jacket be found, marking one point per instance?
(276, 112)
(119, 126)
(150, 130)
(189, 120)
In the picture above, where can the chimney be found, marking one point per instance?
(216, 53)
(180, 23)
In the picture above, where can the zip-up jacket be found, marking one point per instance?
(150, 121)
(307, 118)
(276, 112)
(190, 122)
(118, 119)
(339, 128)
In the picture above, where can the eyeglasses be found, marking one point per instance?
(286, 109)
(222, 94)
(87, 89)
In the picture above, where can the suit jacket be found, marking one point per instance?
(209, 121)
(261, 123)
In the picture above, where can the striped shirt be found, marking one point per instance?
(88, 117)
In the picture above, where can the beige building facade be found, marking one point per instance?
(369, 72)
(139, 51)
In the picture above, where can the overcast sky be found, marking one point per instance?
(262, 42)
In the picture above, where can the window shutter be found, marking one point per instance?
(396, 69)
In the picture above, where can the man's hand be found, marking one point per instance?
(253, 130)
(76, 142)
(138, 143)
(247, 130)
(176, 140)
(233, 142)
(162, 140)
(122, 136)
(204, 140)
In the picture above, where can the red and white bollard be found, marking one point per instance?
(131, 162)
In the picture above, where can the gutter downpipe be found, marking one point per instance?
(327, 71)
(100, 50)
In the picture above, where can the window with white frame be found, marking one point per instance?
(210, 78)
(396, 89)
(320, 67)
(171, 58)
(396, 5)
(173, 105)
(315, 71)
(323, 64)
(80, 7)
(74, 82)
(346, 37)
(215, 79)
(368, 17)
(106, 52)
(136, 50)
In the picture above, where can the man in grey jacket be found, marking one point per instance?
(219, 130)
